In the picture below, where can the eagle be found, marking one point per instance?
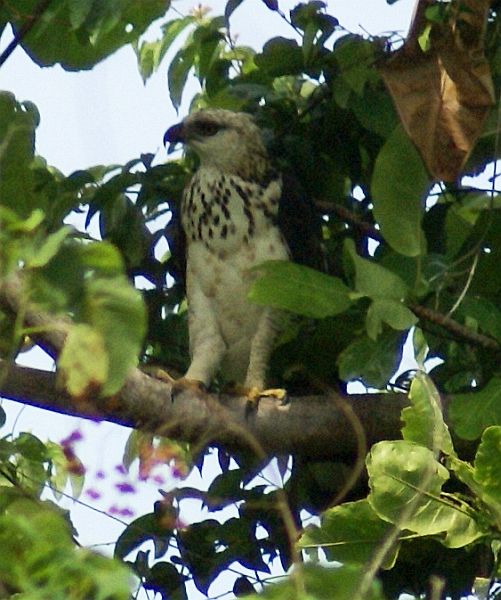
(237, 211)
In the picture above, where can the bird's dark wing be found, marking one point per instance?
(176, 238)
(300, 224)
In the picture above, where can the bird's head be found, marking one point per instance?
(228, 141)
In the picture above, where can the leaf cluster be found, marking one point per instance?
(39, 558)
(422, 496)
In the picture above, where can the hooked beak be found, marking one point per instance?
(175, 135)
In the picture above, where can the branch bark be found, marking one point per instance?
(313, 426)
(460, 332)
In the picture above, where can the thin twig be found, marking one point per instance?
(349, 217)
(466, 286)
(25, 28)
(459, 331)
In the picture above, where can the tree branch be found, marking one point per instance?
(460, 332)
(24, 29)
(349, 217)
(312, 426)
(315, 427)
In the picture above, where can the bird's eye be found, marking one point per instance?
(207, 128)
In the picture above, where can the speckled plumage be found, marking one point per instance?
(229, 214)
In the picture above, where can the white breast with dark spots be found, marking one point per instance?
(225, 211)
(230, 228)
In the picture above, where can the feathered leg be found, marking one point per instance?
(260, 351)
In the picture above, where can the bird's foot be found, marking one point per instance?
(180, 385)
(188, 385)
(254, 395)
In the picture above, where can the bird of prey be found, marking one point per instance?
(237, 211)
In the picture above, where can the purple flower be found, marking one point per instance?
(93, 494)
(125, 488)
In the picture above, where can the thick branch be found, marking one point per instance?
(313, 426)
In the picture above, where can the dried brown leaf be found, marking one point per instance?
(443, 94)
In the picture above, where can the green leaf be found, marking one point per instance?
(424, 421)
(50, 247)
(18, 122)
(374, 280)
(178, 71)
(317, 26)
(58, 472)
(371, 361)
(115, 309)
(399, 186)
(436, 13)
(170, 31)
(487, 471)
(406, 483)
(230, 8)
(147, 58)
(280, 56)
(102, 257)
(77, 34)
(424, 39)
(485, 312)
(320, 583)
(79, 11)
(374, 110)
(207, 41)
(165, 579)
(10, 220)
(473, 412)
(83, 362)
(151, 54)
(77, 482)
(349, 533)
(31, 447)
(59, 285)
(299, 289)
(394, 313)
(458, 227)
(131, 450)
(39, 558)
(355, 57)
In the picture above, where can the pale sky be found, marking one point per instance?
(106, 116)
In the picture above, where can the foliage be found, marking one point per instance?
(398, 257)
(39, 557)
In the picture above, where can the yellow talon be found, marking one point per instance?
(254, 394)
